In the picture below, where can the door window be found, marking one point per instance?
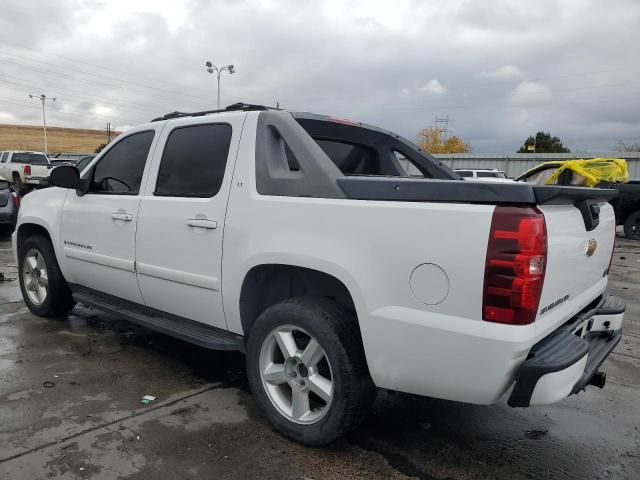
(193, 161)
(5, 155)
(120, 170)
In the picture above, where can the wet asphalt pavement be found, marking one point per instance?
(70, 408)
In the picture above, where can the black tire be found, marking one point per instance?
(17, 184)
(335, 328)
(632, 226)
(6, 230)
(58, 299)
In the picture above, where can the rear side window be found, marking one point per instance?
(120, 170)
(194, 161)
(487, 174)
(32, 158)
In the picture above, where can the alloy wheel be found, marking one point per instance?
(296, 374)
(35, 276)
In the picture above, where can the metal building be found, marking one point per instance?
(515, 164)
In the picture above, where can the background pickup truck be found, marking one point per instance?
(25, 169)
(300, 240)
(626, 204)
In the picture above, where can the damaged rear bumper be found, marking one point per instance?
(567, 361)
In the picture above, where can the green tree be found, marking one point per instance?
(99, 148)
(544, 143)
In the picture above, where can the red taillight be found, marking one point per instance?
(16, 199)
(514, 271)
(27, 170)
(613, 249)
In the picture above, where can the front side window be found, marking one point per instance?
(120, 170)
(194, 161)
(4, 157)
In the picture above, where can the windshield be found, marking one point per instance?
(32, 158)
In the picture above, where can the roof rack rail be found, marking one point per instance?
(234, 107)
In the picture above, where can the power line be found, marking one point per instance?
(85, 80)
(92, 99)
(104, 67)
(74, 113)
(84, 72)
(199, 91)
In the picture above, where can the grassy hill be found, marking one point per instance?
(27, 137)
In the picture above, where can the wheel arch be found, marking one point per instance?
(270, 283)
(29, 229)
(627, 210)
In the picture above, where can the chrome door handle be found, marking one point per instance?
(127, 217)
(202, 223)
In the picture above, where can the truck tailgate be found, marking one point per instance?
(577, 262)
(40, 171)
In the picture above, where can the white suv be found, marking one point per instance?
(300, 240)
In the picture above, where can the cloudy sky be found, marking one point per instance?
(500, 69)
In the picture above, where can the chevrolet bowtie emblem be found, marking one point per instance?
(590, 247)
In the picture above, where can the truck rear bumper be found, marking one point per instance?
(566, 361)
(39, 181)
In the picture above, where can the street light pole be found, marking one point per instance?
(212, 68)
(43, 98)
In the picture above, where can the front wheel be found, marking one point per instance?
(43, 287)
(632, 226)
(307, 370)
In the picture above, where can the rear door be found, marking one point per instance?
(98, 229)
(181, 221)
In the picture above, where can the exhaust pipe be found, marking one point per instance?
(598, 379)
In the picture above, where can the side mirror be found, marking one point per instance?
(64, 176)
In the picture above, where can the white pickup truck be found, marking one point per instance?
(300, 240)
(25, 169)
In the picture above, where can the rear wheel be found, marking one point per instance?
(43, 287)
(17, 184)
(307, 370)
(632, 226)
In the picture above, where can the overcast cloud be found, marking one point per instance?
(500, 69)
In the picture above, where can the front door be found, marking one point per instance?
(98, 229)
(181, 220)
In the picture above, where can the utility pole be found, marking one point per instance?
(108, 132)
(212, 68)
(442, 125)
(43, 98)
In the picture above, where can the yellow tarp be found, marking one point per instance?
(594, 170)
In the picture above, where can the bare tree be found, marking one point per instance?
(627, 147)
